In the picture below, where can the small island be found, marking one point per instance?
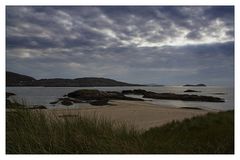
(195, 85)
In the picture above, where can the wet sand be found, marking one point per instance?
(140, 114)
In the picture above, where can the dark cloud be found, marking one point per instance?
(30, 42)
(194, 35)
(137, 44)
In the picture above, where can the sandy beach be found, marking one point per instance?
(142, 115)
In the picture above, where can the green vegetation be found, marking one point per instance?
(32, 131)
(212, 133)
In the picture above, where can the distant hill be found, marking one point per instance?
(14, 79)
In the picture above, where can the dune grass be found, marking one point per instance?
(32, 131)
(212, 133)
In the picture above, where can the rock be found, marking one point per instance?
(114, 95)
(54, 102)
(70, 99)
(66, 102)
(99, 102)
(172, 96)
(192, 108)
(183, 97)
(219, 93)
(139, 91)
(189, 90)
(40, 107)
(77, 101)
(98, 95)
(127, 92)
(120, 96)
(88, 94)
(135, 91)
(8, 94)
(195, 85)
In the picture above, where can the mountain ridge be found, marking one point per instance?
(15, 79)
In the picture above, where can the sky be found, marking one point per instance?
(171, 45)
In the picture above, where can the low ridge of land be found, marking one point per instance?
(15, 79)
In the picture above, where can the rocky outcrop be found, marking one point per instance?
(100, 102)
(183, 97)
(93, 97)
(173, 96)
(220, 93)
(190, 90)
(135, 91)
(66, 102)
(91, 94)
(88, 94)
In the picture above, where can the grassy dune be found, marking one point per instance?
(31, 131)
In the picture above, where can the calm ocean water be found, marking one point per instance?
(44, 95)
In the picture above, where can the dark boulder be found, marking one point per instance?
(54, 102)
(66, 102)
(189, 90)
(220, 93)
(135, 91)
(127, 92)
(40, 107)
(114, 95)
(73, 100)
(99, 102)
(88, 94)
(139, 91)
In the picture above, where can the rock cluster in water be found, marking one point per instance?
(173, 96)
(93, 97)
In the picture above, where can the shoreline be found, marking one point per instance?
(141, 115)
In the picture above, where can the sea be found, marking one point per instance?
(45, 95)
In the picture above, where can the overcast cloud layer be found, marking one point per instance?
(163, 45)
